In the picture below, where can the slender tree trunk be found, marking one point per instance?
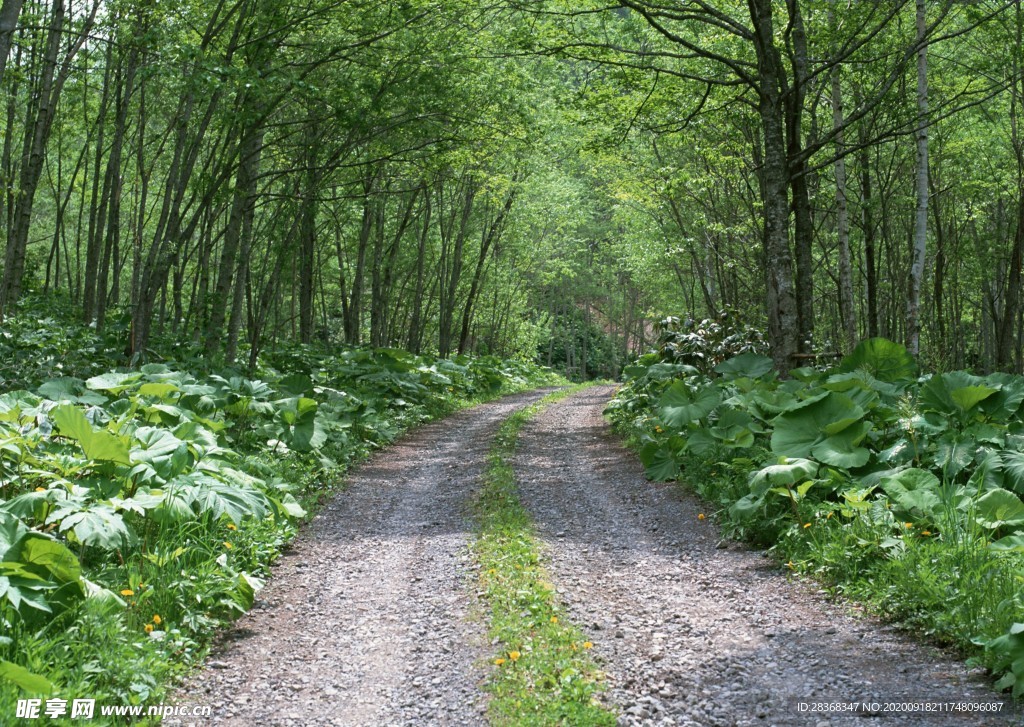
(9, 12)
(37, 131)
(250, 148)
(803, 229)
(913, 333)
(453, 242)
(491, 233)
(1005, 343)
(847, 311)
(353, 310)
(415, 324)
(783, 329)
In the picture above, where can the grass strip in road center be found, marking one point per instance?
(544, 673)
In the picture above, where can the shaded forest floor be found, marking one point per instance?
(372, 616)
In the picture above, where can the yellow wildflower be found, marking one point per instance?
(499, 662)
(228, 545)
(908, 525)
(554, 619)
(806, 525)
(514, 655)
(588, 645)
(700, 516)
(148, 628)
(926, 532)
(157, 620)
(40, 489)
(232, 526)
(127, 592)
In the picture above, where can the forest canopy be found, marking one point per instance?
(531, 179)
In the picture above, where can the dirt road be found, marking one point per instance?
(371, 617)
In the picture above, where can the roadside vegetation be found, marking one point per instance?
(898, 489)
(140, 509)
(543, 673)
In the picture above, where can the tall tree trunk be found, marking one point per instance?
(415, 323)
(250, 148)
(868, 225)
(803, 228)
(453, 240)
(37, 132)
(100, 195)
(352, 308)
(847, 312)
(490, 235)
(9, 12)
(783, 329)
(1011, 303)
(913, 333)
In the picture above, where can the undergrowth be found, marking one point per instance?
(140, 510)
(543, 674)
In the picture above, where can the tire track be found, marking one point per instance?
(366, 619)
(694, 634)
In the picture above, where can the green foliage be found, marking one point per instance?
(882, 358)
(903, 492)
(708, 343)
(142, 508)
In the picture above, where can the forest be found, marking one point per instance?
(518, 178)
(250, 241)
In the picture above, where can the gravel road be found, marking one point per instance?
(370, 617)
(367, 619)
(693, 634)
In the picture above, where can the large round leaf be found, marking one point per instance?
(999, 508)
(747, 364)
(882, 358)
(679, 406)
(798, 430)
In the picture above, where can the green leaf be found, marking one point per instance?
(12, 530)
(49, 556)
(291, 507)
(954, 393)
(785, 473)
(843, 450)
(99, 446)
(164, 452)
(679, 406)
(748, 364)
(999, 508)
(1009, 544)
(882, 358)
(659, 461)
(158, 389)
(235, 501)
(1013, 468)
(916, 491)
(24, 679)
(970, 396)
(114, 382)
(747, 507)
(798, 430)
(98, 526)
